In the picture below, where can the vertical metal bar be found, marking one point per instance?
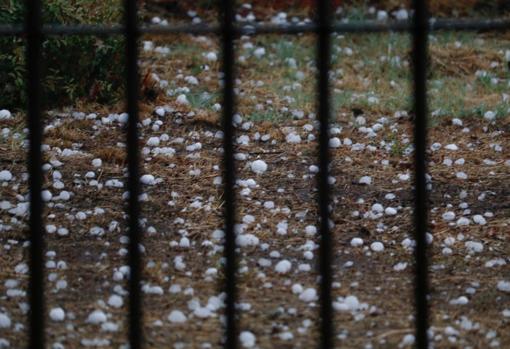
(134, 259)
(227, 38)
(420, 58)
(323, 99)
(36, 281)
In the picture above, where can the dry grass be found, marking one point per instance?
(92, 260)
(467, 60)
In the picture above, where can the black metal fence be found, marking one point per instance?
(323, 27)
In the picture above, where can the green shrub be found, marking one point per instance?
(73, 66)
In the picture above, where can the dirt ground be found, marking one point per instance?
(469, 168)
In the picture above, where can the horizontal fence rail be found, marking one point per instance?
(419, 27)
(255, 29)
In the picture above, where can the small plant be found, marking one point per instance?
(73, 66)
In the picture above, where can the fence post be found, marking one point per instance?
(323, 100)
(37, 316)
(131, 34)
(228, 61)
(420, 63)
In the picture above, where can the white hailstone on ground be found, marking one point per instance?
(264, 262)
(245, 240)
(400, 266)
(462, 221)
(457, 122)
(377, 208)
(474, 246)
(356, 242)
(97, 162)
(281, 228)
(177, 317)
(283, 266)
(248, 219)
(365, 180)
(489, 115)
(191, 80)
(286, 336)
(497, 262)
(243, 140)
(64, 195)
(247, 339)
(62, 232)
(349, 303)
(402, 15)
(462, 300)
(5, 176)
(448, 216)
(309, 295)
(297, 288)
(460, 161)
(202, 312)
(5, 114)
(382, 15)
(194, 147)
(184, 242)
(503, 286)
(293, 138)
(57, 314)
(404, 176)
(115, 301)
(46, 195)
(390, 211)
(435, 146)
(258, 166)
(5, 320)
(240, 156)
(211, 56)
(182, 99)
(96, 317)
(335, 142)
(360, 120)
(377, 246)
(406, 341)
(479, 219)
(160, 111)
(352, 302)
(310, 230)
(461, 175)
(452, 147)
(313, 169)
(304, 267)
(259, 52)
(269, 205)
(148, 179)
(449, 241)
(372, 100)
(153, 142)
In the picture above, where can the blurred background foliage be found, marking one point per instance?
(73, 66)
